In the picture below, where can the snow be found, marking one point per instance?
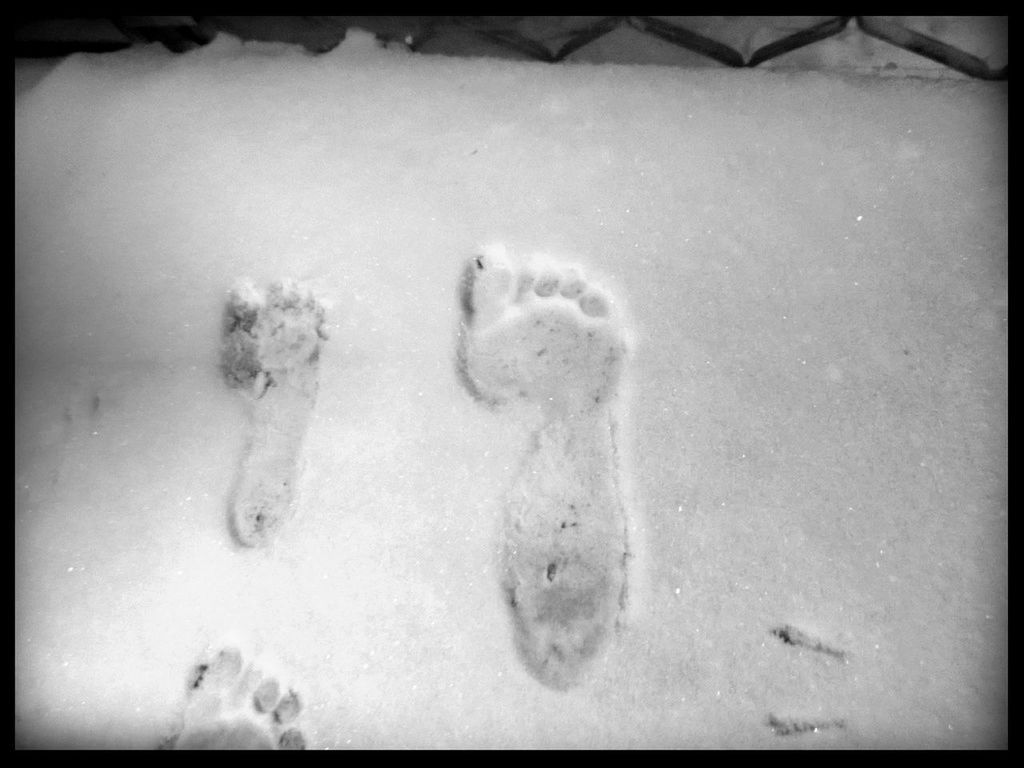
(817, 270)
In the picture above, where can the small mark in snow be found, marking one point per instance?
(791, 726)
(790, 635)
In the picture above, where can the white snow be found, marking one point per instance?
(817, 269)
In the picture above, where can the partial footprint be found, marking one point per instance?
(235, 704)
(270, 354)
(544, 335)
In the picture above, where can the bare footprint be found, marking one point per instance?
(270, 354)
(234, 704)
(546, 336)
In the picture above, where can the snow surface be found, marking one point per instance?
(817, 267)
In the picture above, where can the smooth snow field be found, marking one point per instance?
(753, 324)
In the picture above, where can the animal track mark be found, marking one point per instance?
(790, 635)
(793, 726)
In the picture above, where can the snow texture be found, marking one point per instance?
(813, 445)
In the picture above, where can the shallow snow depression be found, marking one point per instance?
(562, 405)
